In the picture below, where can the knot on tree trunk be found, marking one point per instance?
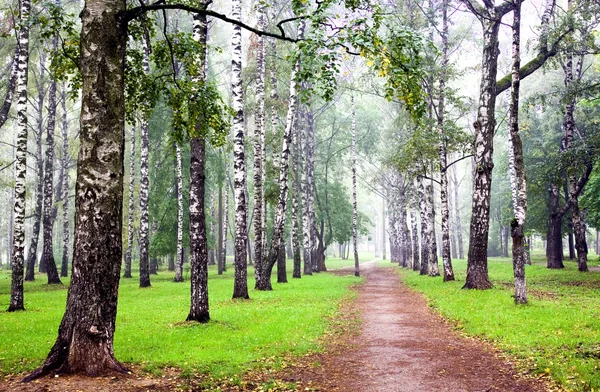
(516, 228)
(95, 332)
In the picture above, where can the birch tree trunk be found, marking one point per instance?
(434, 269)
(383, 244)
(354, 203)
(305, 210)
(225, 220)
(39, 168)
(48, 223)
(18, 242)
(311, 189)
(445, 210)
(295, 204)
(277, 244)
(490, 17)
(85, 337)
(240, 285)
(144, 238)
(457, 220)
(424, 237)
(128, 254)
(220, 232)
(65, 185)
(259, 140)
(10, 89)
(179, 255)
(199, 309)
(211, 249)
(414, 205)
(517, 166)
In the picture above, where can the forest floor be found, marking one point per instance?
(388, 339)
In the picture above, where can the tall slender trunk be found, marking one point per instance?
(131, 206)
(179, 253)
(225, 220)
(259, 140)
(277, 244)
(354, 203)
(240, 286)
(310, 156)
(554, 249)
(414, 206)
(295, 203)
(10, 89)
(281, 263)
(18, 242)
(211, 250)
(424, 237)
(144, 238)
(445, 210)
(304, 190)
(85, 337)
(517, 168)
(434, 269)
(199, 310)
(65, 185)
(39, 187)
(48, 222)
(457, 220)
(220, 232)
(477, 270)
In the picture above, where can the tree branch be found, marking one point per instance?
(137, 12)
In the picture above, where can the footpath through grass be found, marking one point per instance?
(151, 331)
(558, 333)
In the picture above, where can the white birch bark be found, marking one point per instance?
(239, 165)
(131, 205)
(304, 212)
(424, 230)
(144, 238)
(179, 257)
(259, 140)
(517, 168)
(18, 242)
(65, 184)
(354, 202)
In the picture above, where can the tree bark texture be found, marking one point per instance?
(259, 141)
(490, 17)
(179, 252)
(457, 219)
(225, 220)
(414, 206)
(65, 185)
(10, 89)
(424, 237)
(304, 189)
(445, 210)
(220, 232)
(517, 168)
(48, 221)
(144, 238)
(434, 269)
(85, 336)
(131, 205)
(18, 242)
(240, 286)
(281, 263)
(296, 194)
(354, 202)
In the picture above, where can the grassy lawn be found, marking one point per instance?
(557, 333)
(150, 329)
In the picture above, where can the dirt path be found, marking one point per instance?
(403, 346)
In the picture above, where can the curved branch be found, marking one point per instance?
(137, 12)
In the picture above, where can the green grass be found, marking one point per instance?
(557, 333)
(150, 329)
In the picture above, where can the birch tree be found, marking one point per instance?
(17, 255)
(354, 202)
(240, 285)
(131, 205)
(65, 185)
(179, 257)
(144, 237)
(48, 222)
(517, 167)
